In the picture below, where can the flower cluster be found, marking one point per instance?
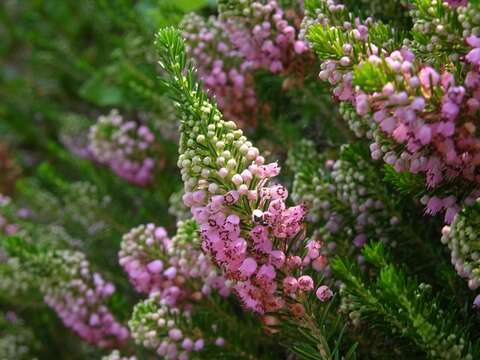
(64, 279)
(422, 119)
(437, 38)
(220, 67)
(125, 147)
(267, 35)
(246, 227)
(66, 282)
(168, 268)
(240, 226)
(78, 297)
(17, 341)
(254, 35)
(169, 331)
(353, 188)
(342, 198)
(420, 111)
(249, 258)
(461, 239)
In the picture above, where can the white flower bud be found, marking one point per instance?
(231, 164)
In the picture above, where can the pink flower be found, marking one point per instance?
(155, 266)
(231, 197)
(324, 293)
(305, 283)
(198, 196)
(313, 248)
(473, 41)
(277, 257)
(425, 134)
(418, 104)
(388, 125)
(474, 56)
(300, 47)
(248, 267)
(199, 345)
(290, 285)
(360, 240)
(266, 274)
(160, 233)
(428, 76)
(434, 205)
(450, 110)
(187, 344)
(175, 334)
(450, 214)
(278, 192)
(472, 80)
(268, 171)
(294, 261)
(170, 273)
(447, 80)
(400, 133)
(362, 104)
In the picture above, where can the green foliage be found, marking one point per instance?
(400, 306)
(370, 77)
(330, 345)
(404, 182)
(328, 42)
(328, 37)
(393, 11)
(173, 58)
(245, 337)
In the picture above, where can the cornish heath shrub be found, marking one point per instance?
(239, 179)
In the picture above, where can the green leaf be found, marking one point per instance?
(404, 182)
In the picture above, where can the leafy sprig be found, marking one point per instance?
(401, 306)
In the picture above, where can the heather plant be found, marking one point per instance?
(239, 179)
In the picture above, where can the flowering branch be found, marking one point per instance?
(245, 225)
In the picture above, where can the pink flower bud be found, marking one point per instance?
(155, 266)
(199, 345)
(175, 334)
(248, 267)
(305, 283)
(324, 293)
(290, 285)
